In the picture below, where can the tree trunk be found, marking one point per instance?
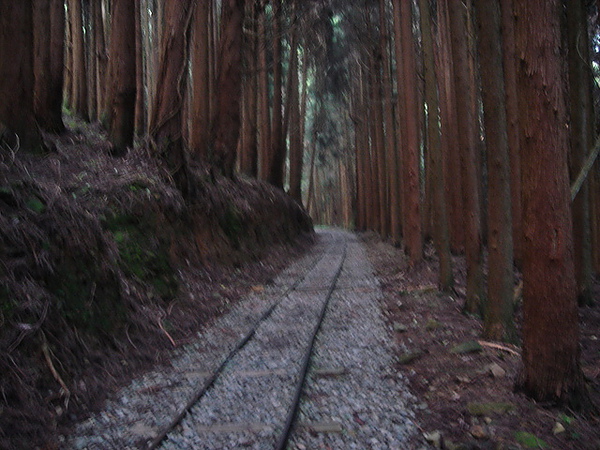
(122, 71)
(295, 125)
(277, 159)
(581, 137)
(80, 90)
(498, 324)
(101, 60)
(465, 86)
(201, 91)
(140, 94)
(226, 121)
(249, 151)
(263, 113)
(454, 185)
(90, 7)
(410, 156)
(392, 132)
(512, 119)
(166, 121)
(49, 39)
(16, 76)
(378, 147)
(434, 144)
(551, 370)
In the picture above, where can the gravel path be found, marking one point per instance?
(352, 398)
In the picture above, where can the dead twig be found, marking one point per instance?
(55, 374)
(499, 347)
(160, 325)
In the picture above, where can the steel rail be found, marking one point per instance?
(197, 396)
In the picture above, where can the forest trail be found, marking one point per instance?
(352, 395)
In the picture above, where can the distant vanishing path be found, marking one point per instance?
(237, 385)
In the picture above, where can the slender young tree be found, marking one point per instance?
(498, 324)
(123, 78)
(551, 369)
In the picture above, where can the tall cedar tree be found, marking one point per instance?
(49, 38)
(277, 152)
(16, 76)
(263, 110)
(166, 121)
(434, 145)
(123, 79)
(498, 324)
(454, 184)
(410, 156)
(465, 85)
(201, 88)
(551, 369)
(392, 132)
(512, 121)
(581, 137)
(79, 100)
(226, 122)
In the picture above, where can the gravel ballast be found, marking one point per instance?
(352, 398)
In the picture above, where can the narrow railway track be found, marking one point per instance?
(303, 363)
(279, 346)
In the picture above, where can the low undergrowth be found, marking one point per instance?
(105, 268)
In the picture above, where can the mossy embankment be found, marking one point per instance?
(104, 267)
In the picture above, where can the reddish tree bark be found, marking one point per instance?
(551, 370)
(512, 119)
(122, 72)
(263, 110)
(278, 150)
(49, 38)
(465, 88)
(393, 135)
(410, 155)
(498, 308)
(166, 120)
(16, 75)
(201, 89)
(581, 139)
(454, 184)
(226, 121)
(295, 125)
(434, 144)
(79, 102)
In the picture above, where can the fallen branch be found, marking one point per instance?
(55, 374)
(499, 347)
(160, 325)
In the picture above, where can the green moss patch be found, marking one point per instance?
(143, 255)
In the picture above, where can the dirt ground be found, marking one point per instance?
(465, 400)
